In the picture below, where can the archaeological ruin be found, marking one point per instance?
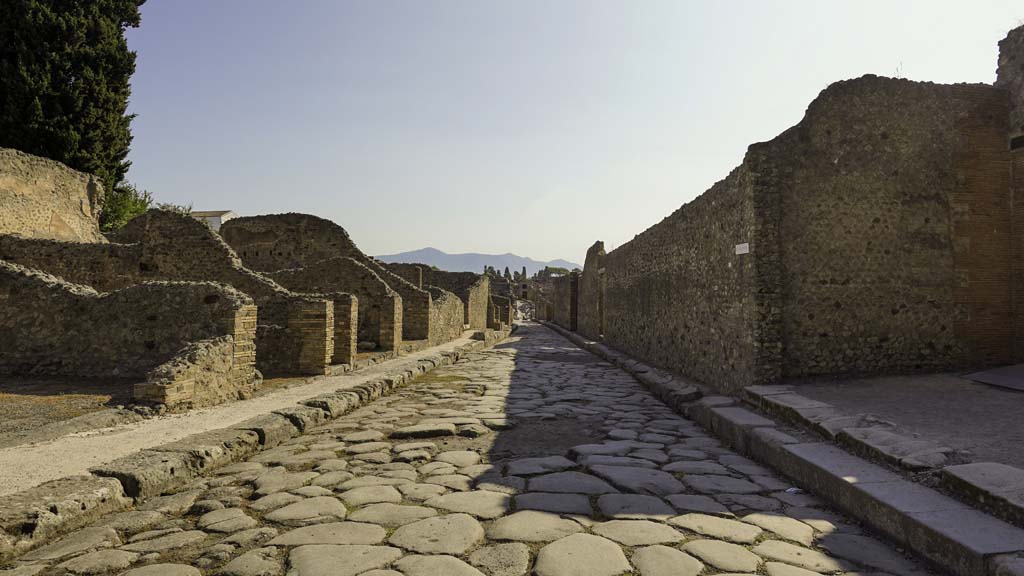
(878, 235)
(203, 321)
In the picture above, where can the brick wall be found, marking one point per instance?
(42, 198)
(160, 333)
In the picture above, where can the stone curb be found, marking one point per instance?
(946, 532)
(670, 389)
(38, 515)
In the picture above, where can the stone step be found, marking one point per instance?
(996, 488)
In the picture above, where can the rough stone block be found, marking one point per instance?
(38, 514)
(731, 424)
(303, 417)
(148, 473)
(333, 404)
(996, 488)
(215, 448)
(272, 429)
(894, 448)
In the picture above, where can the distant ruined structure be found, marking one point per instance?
(878, 235)
(167, 304)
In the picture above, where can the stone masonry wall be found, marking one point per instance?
(679, 296)
(288, 241)
(379, 309)
(590, 309)
(161, 245)
(446, 316)
(894, 229)
(501, 312)
(42, 198)
(565, 300)
(1010, 77)
(472, 288)
(185, 344)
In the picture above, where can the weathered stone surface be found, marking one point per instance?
(716, 527)
(99, 562)
(391, 515)
(227, 521)
(331, 560)
(509, 559)
(696, 503)
(532, 526)
(664, 561)
(370, 495)
(166, 542)
(581, 555)
(634, 506)
(76, 543)
(543, 465)
(414, 565)
(459, 458)
(548, 502)
(309, 511)
(784, 526)
(164, 570)
(723, 555)
(331, 533)
(259, 562)
(424, 431)
(479, 503)
(640, 480)
(712, 484)
(637, 532)
(799, 556)
(570, 482)
(451, 534)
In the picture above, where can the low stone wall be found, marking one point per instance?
(290, 241)
(379, 309)
(473, 289)
(590, 303)
(42, 198)
(565, 301)
(161, 245)
(501, 312)
(446, 316)
(185, 344)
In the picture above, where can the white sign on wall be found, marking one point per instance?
(743, 248)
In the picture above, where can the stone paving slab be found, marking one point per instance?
(338, 499)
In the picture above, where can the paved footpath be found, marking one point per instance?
(530, 457)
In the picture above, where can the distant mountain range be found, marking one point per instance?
(473, 262)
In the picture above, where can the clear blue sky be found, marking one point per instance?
(533, 127)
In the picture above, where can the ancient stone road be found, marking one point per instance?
(530, 457)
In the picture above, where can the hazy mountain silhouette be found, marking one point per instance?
(473, 262)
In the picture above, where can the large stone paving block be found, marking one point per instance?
(38, 514)
(271, 428)
(333, 404)
(730, 423)
(303, 417)
(996, 488)
(961, 540)
(216, 448)
(893, 448)
(149, 473)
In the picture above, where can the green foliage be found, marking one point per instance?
(123, 203)
(64, 85)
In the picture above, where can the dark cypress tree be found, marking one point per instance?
(65, 68)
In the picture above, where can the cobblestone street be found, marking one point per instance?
(532, 457)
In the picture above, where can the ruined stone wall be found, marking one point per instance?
(1010, 77)
(379, 309)
(161, 245)
(274, 242)
(446, 315)
(565, 300)
(184, 344)
(590, 310)
(894, 229)
(679, 296)
(411, 272)
(502, 313)
(288, 241)
(472, 288)
(42, 198)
